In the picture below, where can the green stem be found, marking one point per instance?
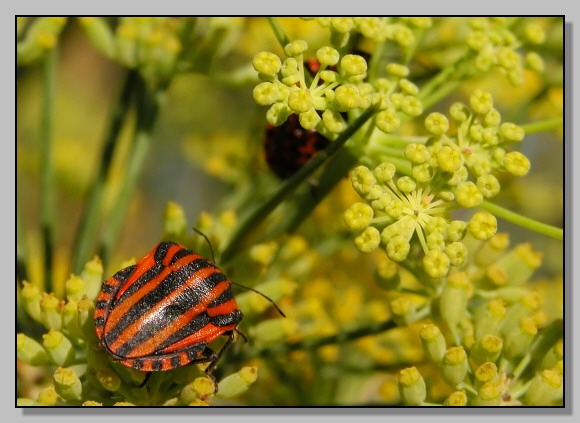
(21, 250)
(523, 221)
(148, 108)
(46, 169)
(287, 187)
(88, 225)
(543, 125)
(278, 31)
(315, 343)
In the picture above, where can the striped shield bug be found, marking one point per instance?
(162, 312)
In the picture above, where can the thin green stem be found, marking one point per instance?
(315, 343)
(278, 31)
(47, 187)
(543, 125)
(87, 229)
(21, 250)
(287, 187)
(148, 108)
(525, 222)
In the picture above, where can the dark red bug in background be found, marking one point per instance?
(289, 146)
(162, 312)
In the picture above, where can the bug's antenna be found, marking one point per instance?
(206, 240)
(259, 293)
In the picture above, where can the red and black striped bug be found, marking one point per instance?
(164, 311)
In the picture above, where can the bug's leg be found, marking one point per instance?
(215, 358)
(147, 377)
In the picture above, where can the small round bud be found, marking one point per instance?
(481, 102)
(353, 65)
(267, 63)
(300, 101)
(411, 106)
(417, 153)
(449, 159)
(467, 195)
(436, 263)
(436, 123)
(483, 225)
(333, 121)
(397, 70)
(388, 121)
(384, 173)
(397, 247)
(368, 240)
(327, 56)
(516, 163)
(511, 132)
(266, 93)
(295, 48)
(488, 185)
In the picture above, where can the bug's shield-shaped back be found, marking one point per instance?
(162, 312)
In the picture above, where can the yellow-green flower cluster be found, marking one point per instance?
(319, 101)
(150, 44)
(36, 37)
(400, 212)
(401, 31)
(496, 46)
(481, 335)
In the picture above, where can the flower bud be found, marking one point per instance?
(295, 48)
(487, 372)
(51, 311)
(454, 365)
(454, 297)
(108, 379)
(58, 346)
(546, 389)
(30, 351)
(492, 249)
(67, 384)
(47, 396)
(433, 342)
(518, 341)
(436, 263)
(488, 318)
(482, 225)
(457, 399)
(75, 287)
(368, 240)
(412, 386)
(486, 349)
(358, 216)
(489, 394)
(333, 121)
(31, 297)
(267, 64)
(237, 383)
